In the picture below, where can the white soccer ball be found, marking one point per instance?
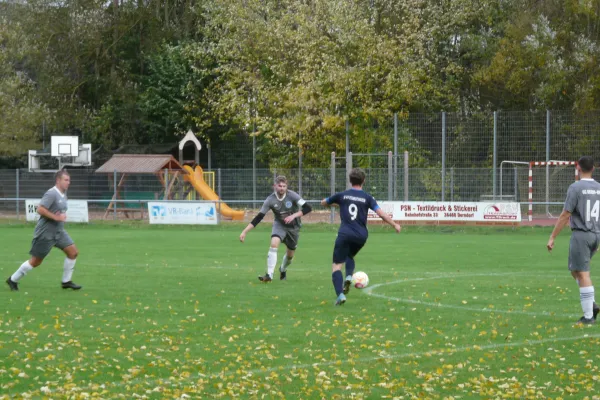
(360, 280)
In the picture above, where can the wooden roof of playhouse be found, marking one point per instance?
(126, 164)
(140, 164)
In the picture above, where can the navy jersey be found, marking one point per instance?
(354, 208)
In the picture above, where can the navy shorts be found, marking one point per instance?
(347, 247)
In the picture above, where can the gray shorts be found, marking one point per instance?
(40, 246)
(582, 247)
(289, 236)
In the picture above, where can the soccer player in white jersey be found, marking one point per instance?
(582, 207)
(287, 206)
(49, 232)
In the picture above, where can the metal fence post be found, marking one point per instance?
(219, 211)
(451, 183)
(495, 156)
(18, 211)
(395, 156)
(219, 183)
(348, 169)
(405, 175)
(390, 175)
(443, 154)
(300, 171)
(115, 194)
(347, 137)
(547, 159)
(332, 183)
(516, 185)
(166, 173)
(209, 156)
(253, 166)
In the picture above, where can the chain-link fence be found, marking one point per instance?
(450, 157)
(237, 187)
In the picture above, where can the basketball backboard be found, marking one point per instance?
(85, 155)
(64, 146)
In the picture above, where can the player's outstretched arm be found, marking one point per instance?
(251, 225)
(245, 232)
(563, 220)
(324, 203)
(387, 219)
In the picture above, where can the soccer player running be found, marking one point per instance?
(49, 232)
(354, 206)
(287, 207)
(582, 206)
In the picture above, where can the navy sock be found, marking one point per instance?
(338, 282)
(350, 265)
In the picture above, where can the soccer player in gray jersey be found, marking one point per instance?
(582, 206)
(49, 233)
(287, 207)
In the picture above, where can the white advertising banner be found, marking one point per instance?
(77, 210)
(440, 212)
(182, 213)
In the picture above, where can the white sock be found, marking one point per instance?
(271, 261)
(285, 263)
(68, 268)
(586, 294)
(21, 272)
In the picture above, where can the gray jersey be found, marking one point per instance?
(583, 202)
(283, 208)
(55, 202)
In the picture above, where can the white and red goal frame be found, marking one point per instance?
(544, 164)
(531, 165)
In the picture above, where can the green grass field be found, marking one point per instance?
(178, 312)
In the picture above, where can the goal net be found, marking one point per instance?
(540, 186)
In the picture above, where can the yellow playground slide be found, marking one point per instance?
(197, 181)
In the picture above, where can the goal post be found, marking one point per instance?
(545, 186)
(544, 164)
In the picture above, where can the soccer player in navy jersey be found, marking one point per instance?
(354, 206)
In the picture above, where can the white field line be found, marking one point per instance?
(397, 356)
(369, 291)
(383, 357)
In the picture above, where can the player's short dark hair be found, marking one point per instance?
(61, 173)
(357, 176)
(586, 163)
(280, 179)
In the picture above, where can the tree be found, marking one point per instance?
(21, 111)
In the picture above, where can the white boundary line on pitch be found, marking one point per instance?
(440, 352)
(397, 356)
(369, 292)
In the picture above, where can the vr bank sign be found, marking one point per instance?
(182, 213)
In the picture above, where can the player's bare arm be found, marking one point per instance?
(251, 225)
(563, 220)
(325, 204)
(387, 219)
(44, 212)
